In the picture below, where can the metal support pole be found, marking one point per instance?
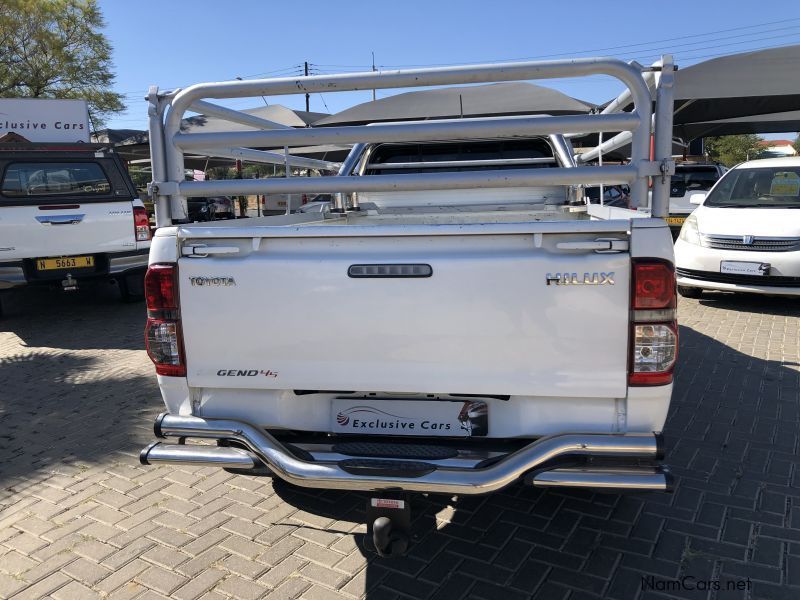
(665, 96)
(155, 112)
(235, 116)
(307, 95)
(418, 181)
(288, 173)
(258, 201)
(513, 127)
(262, 156)
(600, 164)
(373, 70)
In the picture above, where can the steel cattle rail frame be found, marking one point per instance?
(167, 143)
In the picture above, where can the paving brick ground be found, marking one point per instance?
(79, 518)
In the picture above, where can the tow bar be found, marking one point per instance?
(388, 525)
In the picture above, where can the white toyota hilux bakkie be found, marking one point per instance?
(460, 319)
(69, 213)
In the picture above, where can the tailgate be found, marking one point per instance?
(69, 229)
(285, 314)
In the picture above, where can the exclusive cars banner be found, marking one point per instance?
(45, 120)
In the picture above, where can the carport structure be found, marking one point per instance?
(751, 92)
(134, 145)
(492, 100)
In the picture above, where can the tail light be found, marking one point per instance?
(141, 224)
(162, 333)
(654, 326)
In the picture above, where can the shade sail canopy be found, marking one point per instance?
(134, 144)
(771, 123)
(118, 136)
(516, 98)
(739, 85)
(275, 113)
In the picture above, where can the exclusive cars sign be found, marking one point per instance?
(411, 417)
(40, 120)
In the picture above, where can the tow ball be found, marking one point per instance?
(388, 526)
(70, 284)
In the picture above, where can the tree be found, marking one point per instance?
(54, 49)
(797, 144)
(733, 149)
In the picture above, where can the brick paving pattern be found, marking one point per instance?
(80, 518)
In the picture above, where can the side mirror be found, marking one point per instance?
(697, 198)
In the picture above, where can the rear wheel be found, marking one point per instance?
(131, 287)
(690, 292)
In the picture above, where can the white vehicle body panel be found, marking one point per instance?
(278, 202)
(442, 334)
(465, 198)
(93, 227)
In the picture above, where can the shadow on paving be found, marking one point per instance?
(91, 318)
(734, 517)
(56, 411)
(752, 303)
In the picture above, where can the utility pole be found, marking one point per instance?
(373, 70)
(307, 96)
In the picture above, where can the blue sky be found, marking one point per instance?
(176, 43)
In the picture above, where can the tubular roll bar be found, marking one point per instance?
(167, 143)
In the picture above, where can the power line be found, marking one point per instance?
(684, 54)
(626, 46)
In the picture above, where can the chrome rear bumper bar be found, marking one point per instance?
(537, 459)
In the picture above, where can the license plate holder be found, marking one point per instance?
(398, 416)
(743, 267)
(63, 263)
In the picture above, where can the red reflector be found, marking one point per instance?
(653, 284)
(161, 287)
(643, 379)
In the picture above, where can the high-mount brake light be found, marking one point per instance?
(141, 224)
(654, 326)
(162, 333)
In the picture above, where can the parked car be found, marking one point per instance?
(272, 204)
(689, 179)
(613, 195)
(70, 214)
(210, 209)
(318, 203)
(745, 236)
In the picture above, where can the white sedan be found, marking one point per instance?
(745, 236)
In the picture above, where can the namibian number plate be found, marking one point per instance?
(675, 220)
(462, 418)
(740, 267)
(64, 262)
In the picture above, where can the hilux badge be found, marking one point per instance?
(575, 279)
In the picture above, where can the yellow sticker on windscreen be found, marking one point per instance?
(785, 183)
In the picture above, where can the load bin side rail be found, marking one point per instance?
(168, 145)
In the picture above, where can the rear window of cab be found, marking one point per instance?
(40, 179)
